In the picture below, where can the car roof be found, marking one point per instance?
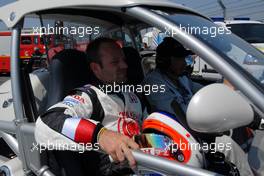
(242, 22)
(13, 12)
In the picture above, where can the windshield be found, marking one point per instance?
(252, 33)
(222, 41)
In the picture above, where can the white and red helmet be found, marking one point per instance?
(184, 147)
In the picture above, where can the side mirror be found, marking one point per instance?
(216, 108)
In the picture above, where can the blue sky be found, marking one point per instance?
(235, 8)
(3, 2)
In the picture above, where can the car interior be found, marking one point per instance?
(68, 70)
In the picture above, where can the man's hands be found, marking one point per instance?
(118, 146)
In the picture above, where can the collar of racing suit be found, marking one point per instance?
(97, 83)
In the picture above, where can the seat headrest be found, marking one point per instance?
(134, 71)
(68, 70)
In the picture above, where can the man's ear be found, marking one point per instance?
(95, 68)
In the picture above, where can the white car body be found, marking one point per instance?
(15, 126)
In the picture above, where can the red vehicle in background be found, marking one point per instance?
(46, 46)
(28, 44)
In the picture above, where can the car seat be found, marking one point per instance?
(68, 70)
(134, 71)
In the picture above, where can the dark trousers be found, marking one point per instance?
(69, 163)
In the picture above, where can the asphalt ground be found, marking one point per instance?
(4, 78)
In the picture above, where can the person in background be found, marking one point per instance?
(179, 89)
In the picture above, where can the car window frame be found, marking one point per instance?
(224, 65)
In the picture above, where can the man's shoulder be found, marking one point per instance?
(185, 79)
(87, 91)
(98, 91)
(86, 88)
(154, 77)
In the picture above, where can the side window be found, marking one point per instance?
(36, 40)
(43, 41)
(26, 40)
(145, 42)
(151, 37)
(32, 48)
(128, 40)
(122, 37)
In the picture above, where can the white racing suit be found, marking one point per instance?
(74, 123)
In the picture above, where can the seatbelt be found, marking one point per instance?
(98, 112)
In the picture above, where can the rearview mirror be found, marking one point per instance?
(217, 108)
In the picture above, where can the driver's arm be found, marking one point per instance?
(68, 123)
(70, 118)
